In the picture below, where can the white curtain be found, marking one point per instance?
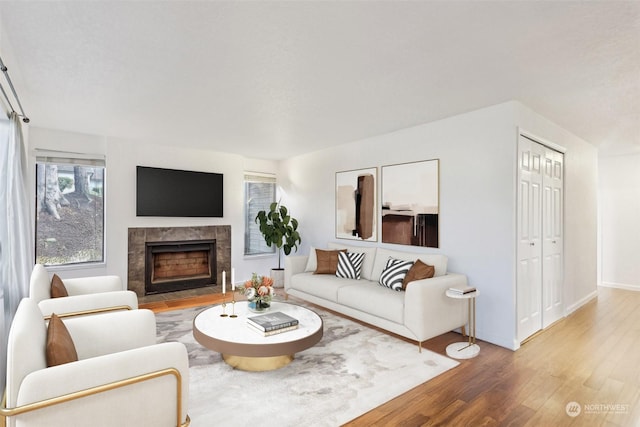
(16, 240)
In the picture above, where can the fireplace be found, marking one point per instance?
(179, 265)
(143, 239)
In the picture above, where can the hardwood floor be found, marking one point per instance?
(591, 357)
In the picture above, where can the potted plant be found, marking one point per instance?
(280, 229)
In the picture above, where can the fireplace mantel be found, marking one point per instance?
(138, 237)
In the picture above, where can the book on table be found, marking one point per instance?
(463, 290)
(272, 321)
(273, 332)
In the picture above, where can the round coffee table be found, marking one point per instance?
(245, 349)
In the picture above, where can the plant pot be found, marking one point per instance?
(277, 274)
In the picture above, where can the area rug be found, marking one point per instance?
(352, 370)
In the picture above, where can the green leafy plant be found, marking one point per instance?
(279, 228)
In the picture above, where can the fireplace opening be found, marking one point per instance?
(179, 265)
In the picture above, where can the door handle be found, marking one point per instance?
(553, 241)
(532, 244)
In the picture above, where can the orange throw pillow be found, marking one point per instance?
(57, 287)
(419, 271)
(60, 347)
(327, 261)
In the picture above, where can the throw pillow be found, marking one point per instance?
(312, 262)
(60, 348)
(349, 265)
(419, 271)
(57, 287)
(327, 261)
(394, 273)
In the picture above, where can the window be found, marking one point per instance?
(259, 193)
(69, 210)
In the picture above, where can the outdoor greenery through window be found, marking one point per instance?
(259, 193)
(69, 210)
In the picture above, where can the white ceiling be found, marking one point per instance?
(274, 79)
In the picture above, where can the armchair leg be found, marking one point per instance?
(463, 330)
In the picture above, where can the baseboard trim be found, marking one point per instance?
(620, 286)
(573, 307)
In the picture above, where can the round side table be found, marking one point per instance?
(466, 349)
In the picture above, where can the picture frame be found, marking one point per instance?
(410, 205)
(356, 205)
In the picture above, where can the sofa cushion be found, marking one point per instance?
(438, 261)
(60, 348)
(349, 265)
(393, 275)
(371, 298)
(369, 257)
(58, 289)
(419, 270)
(320, 285)
(327, 261)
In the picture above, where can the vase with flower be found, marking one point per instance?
(259, 292)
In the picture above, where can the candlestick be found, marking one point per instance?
(233, 279)
(233, 303)
(224, 282)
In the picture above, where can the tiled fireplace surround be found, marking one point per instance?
(139, 236)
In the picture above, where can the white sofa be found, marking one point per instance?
(421, 312)
(86, 294)
(121, 378)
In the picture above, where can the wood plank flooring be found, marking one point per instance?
(591, 357)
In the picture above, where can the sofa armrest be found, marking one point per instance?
(112, 332)
(92, 285)
(142, 401)
(293, 264)
(121, 300)
(428, 312)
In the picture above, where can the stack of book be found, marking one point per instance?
(272, 323)
(462, 290)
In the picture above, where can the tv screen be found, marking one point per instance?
(178, 193)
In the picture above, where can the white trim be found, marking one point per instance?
(620, 286)
(542, 141)
(573, 307)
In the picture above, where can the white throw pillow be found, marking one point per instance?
(312, 261)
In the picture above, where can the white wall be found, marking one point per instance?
(477, 199)
(477, 153)
(122, 158)
(619, 187)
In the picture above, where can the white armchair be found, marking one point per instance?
(122, 377)
(86, 295)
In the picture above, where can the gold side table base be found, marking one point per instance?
(257, 364)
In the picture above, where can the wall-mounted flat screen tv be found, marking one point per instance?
(178, 193)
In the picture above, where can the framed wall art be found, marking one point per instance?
(356, 207)
(411, 203)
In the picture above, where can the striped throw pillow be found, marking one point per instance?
(349, 265)
(394, 272)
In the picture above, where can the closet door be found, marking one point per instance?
(529, 234)
(552, 245)
(540, 237)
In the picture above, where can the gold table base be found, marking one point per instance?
(257, 364)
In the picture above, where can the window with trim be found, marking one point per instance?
(259, 193)
(69, 210)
